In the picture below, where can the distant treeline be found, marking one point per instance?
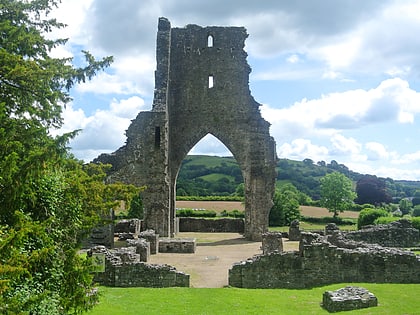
(221, 176)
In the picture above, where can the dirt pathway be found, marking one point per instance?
(215, 254)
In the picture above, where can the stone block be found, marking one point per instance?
(347, 299)
(151, 237)
(294, 231)
(272, 242)
(142, 248)
(128, 226)
(177, 245)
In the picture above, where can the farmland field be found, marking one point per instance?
(218, 206)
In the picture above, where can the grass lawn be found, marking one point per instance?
(307, 226)
(393, 299)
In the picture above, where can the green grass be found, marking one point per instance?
(306, 226)
(210, 161)
(393, 299)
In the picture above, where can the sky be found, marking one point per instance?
(337, 80)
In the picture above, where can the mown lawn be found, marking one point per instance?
(307, 226)
(393, 299)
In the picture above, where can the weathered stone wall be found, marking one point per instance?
(128, 226)
(223, 225)
(186, 107)
(153, 239)
(272, 242)
(347, 299)
(100, 235)
(400, 233)
(123, 268)
(177, 245)
(319, 262)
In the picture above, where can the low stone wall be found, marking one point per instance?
(128, 226)
(100, 235)
(123, 268)
(395, 234)
(177, 245)
(151, 237)
(224, 225)
(318, 262)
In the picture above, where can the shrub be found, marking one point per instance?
(385, 220)
(416, 211)
(368, 216)
(209, 198)
(195, 213)
(416, 222)
(233, 214)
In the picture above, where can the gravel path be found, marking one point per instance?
(215, 254)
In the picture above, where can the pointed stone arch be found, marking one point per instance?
(185, 109)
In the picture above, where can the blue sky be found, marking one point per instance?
(337, 80)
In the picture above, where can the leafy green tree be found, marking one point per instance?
(373, 190)
(405, 206)
(416, 211)
(44, 205)
(416, 198)
(136, 210)
(286, 206)
(336, 192)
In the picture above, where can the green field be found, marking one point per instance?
(209, 161)
(306, 226)
(394, 299)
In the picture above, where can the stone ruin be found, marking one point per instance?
(327, 259)
(123, 268)
(348, 299)
(201, 87)
(272, 242)
(399, 233)
(294, 230)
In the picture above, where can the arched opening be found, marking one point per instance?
(209, 169)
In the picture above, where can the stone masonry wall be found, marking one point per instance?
(319, 263)
(209, 225)
(123, 268)
(400, 233)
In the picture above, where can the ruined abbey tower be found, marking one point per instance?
(201, 87)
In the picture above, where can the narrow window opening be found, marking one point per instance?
(157, 137)
(211, 81)
(210, 41)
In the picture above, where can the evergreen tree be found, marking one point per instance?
(43, 201)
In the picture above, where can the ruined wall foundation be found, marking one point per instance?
(319, 262)
(123, 268)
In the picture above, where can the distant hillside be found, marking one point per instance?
(202, 175)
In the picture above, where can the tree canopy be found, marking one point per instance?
(371, 189)
(336, 192)
(48, 200)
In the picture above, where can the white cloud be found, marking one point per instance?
(300, 149)
(376, 151)
(344, 146)
(102, 132)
